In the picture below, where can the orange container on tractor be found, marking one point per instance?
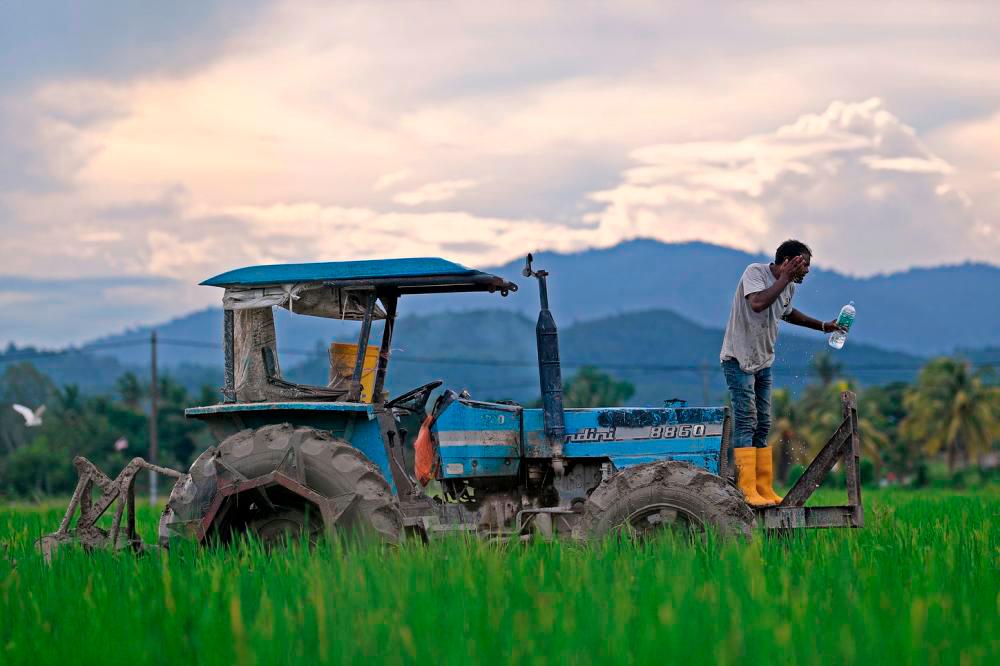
(343, 356)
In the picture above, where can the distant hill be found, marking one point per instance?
(921, 311)
(94, 373)
(204, 328)
(492, 354)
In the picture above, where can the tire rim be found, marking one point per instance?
(654, 519)
(284, 527)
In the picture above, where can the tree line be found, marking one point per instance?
(110, 430)
(948, 417)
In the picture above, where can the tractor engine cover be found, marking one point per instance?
(629, 436)
(478, 439)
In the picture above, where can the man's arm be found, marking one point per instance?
(762, 300)
(800, 319)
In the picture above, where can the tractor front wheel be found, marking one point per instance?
(650, 499)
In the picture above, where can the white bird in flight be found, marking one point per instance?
(31, 418)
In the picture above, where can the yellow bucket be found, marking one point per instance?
(342, 358)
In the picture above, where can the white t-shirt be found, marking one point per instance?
(750, 336)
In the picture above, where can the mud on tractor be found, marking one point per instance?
(299, 460)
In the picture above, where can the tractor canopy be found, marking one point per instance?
(349, 290)
(337, 289)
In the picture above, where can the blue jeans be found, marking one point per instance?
(751, 397)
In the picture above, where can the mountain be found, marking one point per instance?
(492, 354)
(94, 373)
(922, 311)
(197, 338)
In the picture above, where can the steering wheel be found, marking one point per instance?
(421, 393)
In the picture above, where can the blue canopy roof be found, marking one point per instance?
(416, 275)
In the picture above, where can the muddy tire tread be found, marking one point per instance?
(712, 499)
(332, 468)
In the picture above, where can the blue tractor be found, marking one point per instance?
(298, 460)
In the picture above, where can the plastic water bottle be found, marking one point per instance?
(845, 319)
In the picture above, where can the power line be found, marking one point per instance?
(473, 362)
(28, 355)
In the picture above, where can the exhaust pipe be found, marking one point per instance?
(549, 371)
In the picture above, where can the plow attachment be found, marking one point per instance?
(120, 490)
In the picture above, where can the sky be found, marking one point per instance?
(146, 148)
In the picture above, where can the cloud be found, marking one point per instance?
(74, 310)
(908, 164)
(119, 38)
(43, 136)
(98, 236)
(136, 143)
(973, 145)
(314, 232)
(388, 180)
(435, 192)
(14, 298)
(854, 181)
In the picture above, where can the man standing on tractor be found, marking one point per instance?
(763, 296)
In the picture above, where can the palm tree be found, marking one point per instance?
(874, 428)
(826, 368)
(131, 390)
(786, 436)
(590, 387)
(950, 410)
(824, 414)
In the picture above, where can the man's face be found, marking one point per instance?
(801, 275)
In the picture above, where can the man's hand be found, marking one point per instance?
(791, 268)
(832, 325)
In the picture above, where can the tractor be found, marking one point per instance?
(296, 460)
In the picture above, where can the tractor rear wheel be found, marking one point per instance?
(646, 500)
(280, 482)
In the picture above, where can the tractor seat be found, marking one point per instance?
(328, 393)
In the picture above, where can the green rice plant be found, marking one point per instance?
(919, 584)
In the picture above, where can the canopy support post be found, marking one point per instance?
(389, 301)
(228, 334)
(354, 394)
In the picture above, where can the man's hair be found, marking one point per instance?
(790, 249)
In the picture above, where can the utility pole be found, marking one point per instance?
(154, 445)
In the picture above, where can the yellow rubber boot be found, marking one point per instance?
(746, 475)
(765, 475)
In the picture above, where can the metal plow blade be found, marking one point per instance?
(121, 489)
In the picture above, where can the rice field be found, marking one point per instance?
(920, 584)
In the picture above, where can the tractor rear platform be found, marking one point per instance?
(845, 446)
